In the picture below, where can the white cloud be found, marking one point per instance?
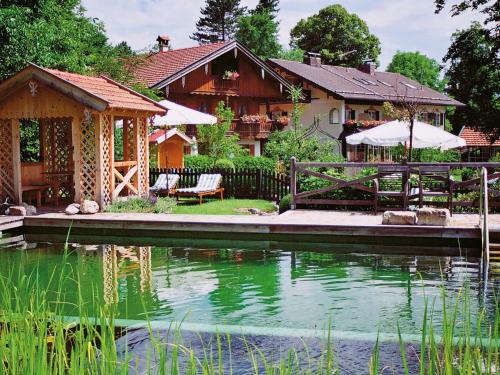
(400, 24)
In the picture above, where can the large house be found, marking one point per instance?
(347, 100)
(200, 77)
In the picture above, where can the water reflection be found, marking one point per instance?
(272, 288)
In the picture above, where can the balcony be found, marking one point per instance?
(225, 84)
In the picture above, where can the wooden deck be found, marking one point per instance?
(296, 226)
(10, 222)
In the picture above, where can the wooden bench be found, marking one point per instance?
(37, 190)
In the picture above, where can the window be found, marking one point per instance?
(242, 110)
(203, 107)
(334, 116)
(373, 114)
(226, 62)
(350, 114)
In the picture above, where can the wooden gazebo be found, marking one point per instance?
(77, 117)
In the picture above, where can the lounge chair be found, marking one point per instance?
(393, 182)
(165, 184)
(435, 181)
(208, 184)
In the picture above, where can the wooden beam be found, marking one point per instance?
(112, 154)
(16, 161)
(77, 159)
(98, 160)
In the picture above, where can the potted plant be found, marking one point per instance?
(231, 75)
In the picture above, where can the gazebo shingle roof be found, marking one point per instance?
(116, 95)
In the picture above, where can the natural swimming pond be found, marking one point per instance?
(263, 287)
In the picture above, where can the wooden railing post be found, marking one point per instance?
(293, 182)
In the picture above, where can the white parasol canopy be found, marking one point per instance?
(398, 132)
(179, 115)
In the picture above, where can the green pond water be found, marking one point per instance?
(224, 283)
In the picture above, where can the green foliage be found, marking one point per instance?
(55, 34)
(29, 133)
(254, 162)
(140, 205)
(224, 164)
(118, 143)
(474, 78)
(285, 203)
(259, 32)
(432, 155)
(213, 140)
(292, 54)
(267, 6)
(341, 38)
(199, 161)
(153, 94)
(418, 67)
(218, 21)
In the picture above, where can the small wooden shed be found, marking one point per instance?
(76, 116)
(167, 147)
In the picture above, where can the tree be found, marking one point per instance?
(418, 67)
(259, 32)
(218, 21)
(474, 78)
(213, 139)
(489, 7)
(54, 34)
(341, 38)
(267, 6)
(293, 54)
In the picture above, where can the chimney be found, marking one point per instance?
(163, 42)
(313, 59)
(368, 67)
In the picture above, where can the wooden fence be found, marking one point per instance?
(336, 189)
(239, 183)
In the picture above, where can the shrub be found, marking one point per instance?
(285, 203)
(141, 205)
(198, 161)
(254, 162)
(224, 164)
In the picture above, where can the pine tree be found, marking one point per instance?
(218, 21)
(269, 6)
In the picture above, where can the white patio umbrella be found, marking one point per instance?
(398, 132)
(179, 115)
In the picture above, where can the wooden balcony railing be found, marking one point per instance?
(220, 84)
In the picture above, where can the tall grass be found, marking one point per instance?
(36, 339)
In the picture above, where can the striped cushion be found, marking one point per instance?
(160, 184)
(206, 182)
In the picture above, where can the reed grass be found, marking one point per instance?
(36, 339)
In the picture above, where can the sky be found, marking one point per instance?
(407, 25)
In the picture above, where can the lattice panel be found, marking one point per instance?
(106, 159)
(145, 266)
(6, 162)
(142, 156)
(129, 128)
(110, 274)
(88, 160)
(57, 152)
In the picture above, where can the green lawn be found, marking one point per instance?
(226, 207)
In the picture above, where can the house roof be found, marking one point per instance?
(476, 138)
(160, 136)
(99, 93)
(162, 68)
(353, 84)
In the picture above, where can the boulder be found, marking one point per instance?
(72, 209)
(433, 216)
(399, 218)
(30, 210)
(17, 211)
(89, 207)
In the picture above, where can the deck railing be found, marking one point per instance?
(353, 184)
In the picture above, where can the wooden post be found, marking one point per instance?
(137, 137)
(112, 155)
(98, 160)
(293, 182)
(16, 161)
(146, 157)
(77, 160)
